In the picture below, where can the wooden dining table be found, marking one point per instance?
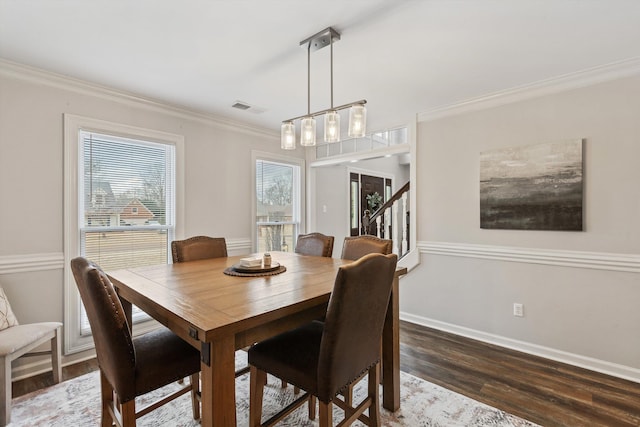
(218, 314)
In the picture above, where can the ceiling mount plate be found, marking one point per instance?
(321, 39)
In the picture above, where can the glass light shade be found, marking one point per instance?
(332, 127)
(308, 131)
(288, 136)
(357, 121)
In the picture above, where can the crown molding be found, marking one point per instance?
(593, 260)
(612, 71)
(39, 76)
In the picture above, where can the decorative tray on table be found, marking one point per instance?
(258, 269)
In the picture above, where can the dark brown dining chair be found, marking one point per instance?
(131, 367)
(357, 246)
(198, 247)
(315, 244)
(322, 358)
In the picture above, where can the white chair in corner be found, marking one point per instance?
(18, 340)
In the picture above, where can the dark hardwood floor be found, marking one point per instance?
(543, 391)
(540, 390)
(27, 385)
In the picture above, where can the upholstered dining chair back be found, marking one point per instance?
(324, 358)
(353, 323)
(358, 246)
(131, 367)
(315, 244)
(198, 247)
(109, 326)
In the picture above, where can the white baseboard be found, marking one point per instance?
(613, 369)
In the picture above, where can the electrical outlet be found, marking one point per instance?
(518, 309)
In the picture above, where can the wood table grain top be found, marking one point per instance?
(215, 303)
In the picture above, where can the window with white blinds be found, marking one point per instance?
(277, 205)
(120, 206)
(126, 200)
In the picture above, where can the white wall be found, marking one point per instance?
(32, 103)
(580, 289)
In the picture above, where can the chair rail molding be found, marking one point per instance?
(594, 260)
(10, 264)
(31, 262)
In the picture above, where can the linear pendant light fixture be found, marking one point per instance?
(357, 113)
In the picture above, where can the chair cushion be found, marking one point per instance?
(7, 318)
(291, 356)
(20, 336)
(161, 358)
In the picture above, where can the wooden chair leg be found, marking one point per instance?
(374, 409)
(128, 413)
(5, 390)
(108, 404)
(195, 391)
(325, 413)
(312, 407)
(348, 394)
(256, 390)
(56, 356)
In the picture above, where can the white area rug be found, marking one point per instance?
(76, 403)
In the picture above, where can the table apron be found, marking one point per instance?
(250, 336)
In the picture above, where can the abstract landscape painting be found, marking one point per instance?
(536, 187)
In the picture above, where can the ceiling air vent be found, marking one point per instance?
(241, 105)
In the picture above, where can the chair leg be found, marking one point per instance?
(108, 405)
(325, 412)
(5, 390)
(283, 384)
(128, 413)
(312, 407)
(56, 356)
(348, 394)
(256, 390)
(374, 409)
(195, 391)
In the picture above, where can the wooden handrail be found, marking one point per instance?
(390, 202)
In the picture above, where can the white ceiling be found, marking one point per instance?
(404, 57)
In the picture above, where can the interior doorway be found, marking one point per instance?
(368, 194)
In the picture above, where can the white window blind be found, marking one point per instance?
(126, 203)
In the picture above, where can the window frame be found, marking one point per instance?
(298, 209)
(73, 124)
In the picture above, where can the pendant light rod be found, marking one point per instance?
(331, 66)
(321, 112)
(309, 79)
